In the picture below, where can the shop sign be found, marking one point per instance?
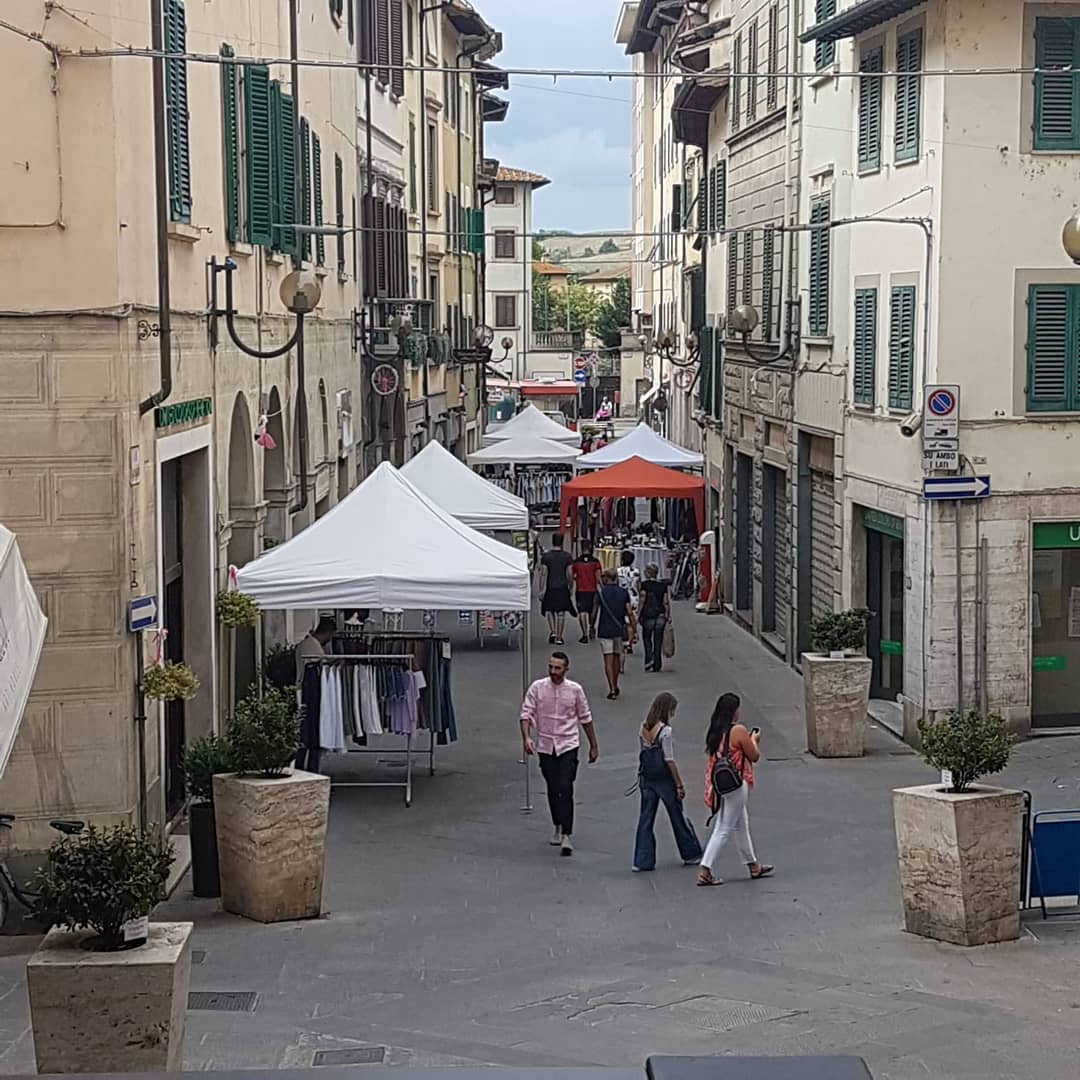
(183, 412)
(881, 522)
(891, 648)
(1048, 663)
(1057, 534)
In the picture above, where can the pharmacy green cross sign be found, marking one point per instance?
(183, 412)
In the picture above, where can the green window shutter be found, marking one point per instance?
(736, 82)
(751, 67)
(865, 350)
(283, 145)
(748, 267)
(710, 201)
(721, 195)
(1057, 96)
(305, 187)
(258, 143)
(768, 271)
(476, 232)
(276, 165)
(397, 50)
(676, 208)
(870, 111)
(412, 166)
(339, 210)
(901, 346)
(703, 200)
(819, 268)
(824, 51)
(316, 184)
(909, 49)
(176, 113)
(230, 146)
(773, 87)
(705, 368)
(1053, 348)
(732, 271)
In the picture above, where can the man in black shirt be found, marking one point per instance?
(555, 589)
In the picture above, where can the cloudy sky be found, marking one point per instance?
(576, 131)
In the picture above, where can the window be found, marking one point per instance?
(433, 168)
(397, 58)
(382, 41)
(1057, 97)
(505, 312)
(908, 96)
(748, 267)
(305, 187)
(385, 246)
(704, 188)
(317, 196)
(774, 55)
(732, 272)
(410, 30)
(231, 148)
(720, 196)
(824, 51)
(177, 118)
(870, 111)
(283, 168)
(433, 290)
(736, 82)
(819, 267)
(339, 210)
(865, 346)
(751, 68)
(901, 346)
(1053, 348)
(337, 9)
(412, 164)
(504, 195)
(256, 156)
(504, 243)
(768, 271)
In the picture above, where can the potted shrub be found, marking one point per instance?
(108, 989)
(169, 681)
(236, 609)
(836, 684)
(204, 759)
(271, 819)
(959, 844)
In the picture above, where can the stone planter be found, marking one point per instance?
(106, 1012)
(836, 693)
(960, 862)
(271, 838)
(205, 880)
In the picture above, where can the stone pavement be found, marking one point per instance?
(455, 935)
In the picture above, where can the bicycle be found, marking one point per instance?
(10, 889)
(684, 580)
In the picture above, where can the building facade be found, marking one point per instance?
(131, 463)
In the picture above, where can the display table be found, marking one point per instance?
(644, 555)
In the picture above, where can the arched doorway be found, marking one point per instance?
(243, 515)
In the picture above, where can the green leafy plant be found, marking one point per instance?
(279, 667)
(236, 609)
(102, 878)
(841, 631)
(966, 745)
(265, 733)
(203, 759)
(170, 682)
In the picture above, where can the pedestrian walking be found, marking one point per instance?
(659, 781)
(554, 709)
(555, 588)
(732, 753)
(586, 569)
(654, 611)
(617, 625)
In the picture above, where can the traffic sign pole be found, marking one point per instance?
(941, 427)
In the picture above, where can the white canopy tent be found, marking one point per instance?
(452, 485)
(646, 444)
(22, 634)
(528, 450)
(389, 545)
(533, 423)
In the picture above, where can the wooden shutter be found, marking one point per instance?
(824, 51)
(751, 68)
(748, 267)
(317, 196)
(704, 335)
(901, 346)
(381, 264)
(1053, 347)
(412, 166)
(819, 268)
(704, 179)
(1057, 97)
(367, 219)
(721, 195)
(382, 41)
(865, 350)
(768, 270)
(505, 311)
(177, 119)
(433, 168)
(397, 50)
(676, 208)
(870, 111)
(365, 11)
(283, 115)
(230, 146)
(736, 82)
(339, 211)
(257, 139)
(732, 271)
(305, 186)
(908, 96)
(772, 91)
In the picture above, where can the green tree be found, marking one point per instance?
(613, 316)
(538, 252)
(609, 247)
(584, 306)
(541, 301)
(588, 253)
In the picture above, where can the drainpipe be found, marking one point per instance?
(161, 207)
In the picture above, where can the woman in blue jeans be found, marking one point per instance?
(660, 782)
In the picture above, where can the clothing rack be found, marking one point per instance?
(334, 658)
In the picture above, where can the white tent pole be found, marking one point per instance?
(526, 682)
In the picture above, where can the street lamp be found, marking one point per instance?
(1070, 238)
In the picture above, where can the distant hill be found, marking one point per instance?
(581, 255)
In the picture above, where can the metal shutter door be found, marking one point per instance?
(822, 517)
(784, 560)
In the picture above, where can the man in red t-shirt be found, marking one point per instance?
(586, 569)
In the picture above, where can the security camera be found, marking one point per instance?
(910, 425)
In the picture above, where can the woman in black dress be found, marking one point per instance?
(555, 589)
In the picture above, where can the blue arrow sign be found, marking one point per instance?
(580, 377)
(956, 487)
(142, 613)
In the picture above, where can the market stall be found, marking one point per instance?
(533, 423)
(642, 442)
(22, 634)
(534, 469)
(388, 546)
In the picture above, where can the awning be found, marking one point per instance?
(489, 77)
(465, 20)
(493, 109)
(857, 19)
(694, 101)
(556, 389)
(526, 450)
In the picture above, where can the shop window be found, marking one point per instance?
(1055, 624)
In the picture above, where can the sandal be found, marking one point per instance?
(706, 879)
(762, 871)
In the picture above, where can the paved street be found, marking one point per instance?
(455, 935)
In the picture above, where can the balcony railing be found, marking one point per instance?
(558, 340)
(421, 313)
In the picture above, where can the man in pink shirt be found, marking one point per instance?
(553, 710)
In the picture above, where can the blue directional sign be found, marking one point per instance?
(142, 613)
(581, 377)
(956, 487)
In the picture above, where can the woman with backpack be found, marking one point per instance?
(659, 781)
(729, 776)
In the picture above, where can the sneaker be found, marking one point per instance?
(583, 640)
(551, 639)
(559, 641)
(556, 837)
(642, 869)
(567, 846)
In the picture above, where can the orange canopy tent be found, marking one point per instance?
(635, 478)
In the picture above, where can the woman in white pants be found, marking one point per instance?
(731, 822)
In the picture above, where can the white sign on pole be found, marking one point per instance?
(941, 412)
(936, 460)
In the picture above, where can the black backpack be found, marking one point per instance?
(725, 777)
(651, 763)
